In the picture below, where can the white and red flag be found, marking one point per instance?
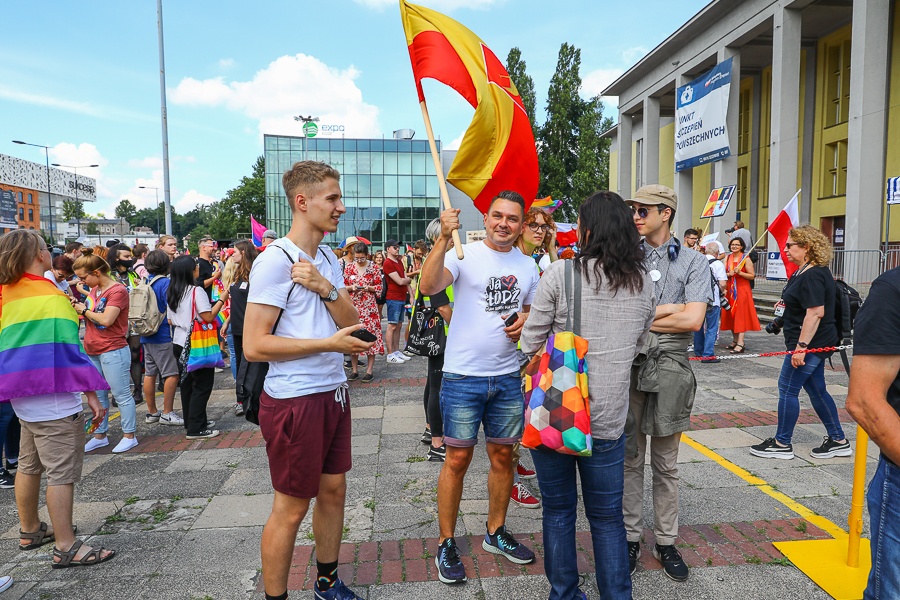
(788, 218)
(566, 234)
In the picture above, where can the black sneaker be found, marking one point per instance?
(671, 561)
(205, 434)
(12, 466)
(504, 544)
(771, 449)
(437, 454)
(426, 436)
(450, 567)
(831, 448)
(7, 480)
(634, 553)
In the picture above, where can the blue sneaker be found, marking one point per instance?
(504, 544)
(338, 591)
(450, 567)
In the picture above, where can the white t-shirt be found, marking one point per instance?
(62, 285)
(486, 285)
(47, 407)
(718, 271)
(305, 317)
(182, 320)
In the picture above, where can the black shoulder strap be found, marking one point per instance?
(293, 285)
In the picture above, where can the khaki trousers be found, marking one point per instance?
(664, 466)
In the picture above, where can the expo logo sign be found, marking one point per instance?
(331, 129)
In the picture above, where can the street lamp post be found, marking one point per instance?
(49, 199)
(150, 187)
(309, 119)
(77, 206)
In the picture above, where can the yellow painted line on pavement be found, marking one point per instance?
(766, 488)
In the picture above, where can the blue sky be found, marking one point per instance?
(83, 77)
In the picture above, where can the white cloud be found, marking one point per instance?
(82, 108)
(148, 162)
(226, 63)
(191, 200)
(454, 145)
(439, 5)
(634, 54)
(287, 86)
(595, 82)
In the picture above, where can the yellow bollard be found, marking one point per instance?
(854, 521)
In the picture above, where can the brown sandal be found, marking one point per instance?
(39, 538)
(67, 559)
(736, 351)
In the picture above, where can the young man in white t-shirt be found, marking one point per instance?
(481, 382)
(304, 412)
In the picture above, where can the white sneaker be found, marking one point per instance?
(403, 357)
(171, 418)
(395, 359)
(125, 445)
(95, 443)
(5, 583)
(153, 417)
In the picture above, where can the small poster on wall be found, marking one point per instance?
(775, 267)
(8, 210)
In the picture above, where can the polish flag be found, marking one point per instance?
(566, 235)
(788, 218)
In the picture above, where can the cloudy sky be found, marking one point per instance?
(83, 77)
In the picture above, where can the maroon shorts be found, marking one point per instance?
(306, 437)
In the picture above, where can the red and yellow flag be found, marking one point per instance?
(497, 152)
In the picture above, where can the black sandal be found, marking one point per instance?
(736, 351)
(67, 559)
(40, 537)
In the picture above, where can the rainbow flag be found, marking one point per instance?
(40, 352)
(218, 288)
(547, 204)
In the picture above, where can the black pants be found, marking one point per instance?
(432, 395)
(236, 359)
(195, 391)
(136, 369)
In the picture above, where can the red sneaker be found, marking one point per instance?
(521, 496)
(525, 472)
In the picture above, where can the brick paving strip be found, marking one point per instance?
(395, 561)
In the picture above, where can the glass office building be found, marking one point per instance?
(390, 187)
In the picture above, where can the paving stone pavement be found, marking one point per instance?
(186, 516)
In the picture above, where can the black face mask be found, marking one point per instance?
(126, 264)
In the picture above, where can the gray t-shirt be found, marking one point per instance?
(683, 280)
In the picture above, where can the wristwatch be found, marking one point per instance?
(83, 310)
(332, 295)
(803, 345)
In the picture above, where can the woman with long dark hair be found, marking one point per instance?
(742, 315)
(187, 301)
(244, 255)
(617, 309)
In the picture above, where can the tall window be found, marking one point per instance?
(30, 198)
(638, 163)
(837, 83)
(836, 164)
(743, 188)
(745, 120)
(31, 214)
(765, 136)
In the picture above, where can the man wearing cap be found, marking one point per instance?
(395, 299)
(269, 236)
(208, 272)
(683, 292)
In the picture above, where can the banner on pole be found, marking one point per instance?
(893, 190)
(712, 237)
(718, 201)
(775, 267)
(701, 108)
(8, 210)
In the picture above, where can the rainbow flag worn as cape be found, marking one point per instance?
(40, 352)
(218, 288)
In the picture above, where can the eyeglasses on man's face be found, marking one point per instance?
(536, 227)
(643, 211)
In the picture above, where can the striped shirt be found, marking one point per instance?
(683, 280)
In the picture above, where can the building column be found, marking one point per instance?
(623, 138)
(867, 127)
(650, 146)
(725, 171)
(684, 185)
(785, 112)
(753, 222)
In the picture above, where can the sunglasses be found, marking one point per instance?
(789, 245)
(643, 211)
(535, 227)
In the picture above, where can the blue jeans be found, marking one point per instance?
(116, 369)
(884, 515)
(810, 377)
(229, 339)
(395, 310)
(468, 401)
(8, 422)
(705, 339)
(602, 484)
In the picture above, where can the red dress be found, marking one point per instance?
(365, 301)
(742, 316)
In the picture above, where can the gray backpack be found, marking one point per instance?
(144, 316)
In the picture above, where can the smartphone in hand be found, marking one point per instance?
(364, 335)
(511, 320)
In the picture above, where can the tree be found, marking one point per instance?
(92, 228)
(126, 210)
(592, 169)
(73, 210)
(232, 214)
(523, 82)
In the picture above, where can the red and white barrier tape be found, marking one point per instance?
(765, 354)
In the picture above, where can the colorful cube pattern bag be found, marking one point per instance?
(202, 349)
(557, 401)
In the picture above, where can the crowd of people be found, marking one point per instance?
(123, 321)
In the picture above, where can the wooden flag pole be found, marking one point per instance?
(445, 195)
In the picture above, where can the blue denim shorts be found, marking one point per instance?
(467, 402)
(395, 310)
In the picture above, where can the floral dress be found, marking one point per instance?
(365, 301)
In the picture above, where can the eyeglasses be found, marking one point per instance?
(789, 245)
(535, 227)
(643, 211)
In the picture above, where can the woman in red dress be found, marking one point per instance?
(742, 316)
(363, 280)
